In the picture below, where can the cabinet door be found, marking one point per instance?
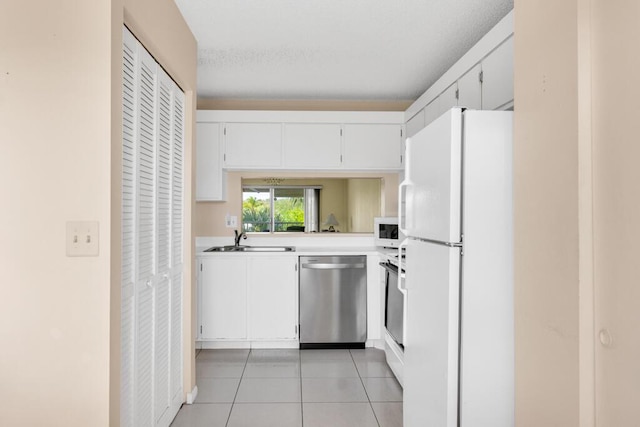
(253, 145)
(415, 124)
(470, 89)
(223, 287)
(312, 146)
(448, 99)
(273, 297)
(497, 77)
(210, 182)
(372, 146)
(431, 112)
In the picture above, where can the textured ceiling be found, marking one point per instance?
(379, 50)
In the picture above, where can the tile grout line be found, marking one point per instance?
(365, 388)
(235, 396)
(301, 399)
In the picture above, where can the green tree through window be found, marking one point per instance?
(286, 203)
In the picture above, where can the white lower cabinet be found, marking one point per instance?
(273, 298)
(246, 298)
(223, 298)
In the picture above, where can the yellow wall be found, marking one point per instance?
(210, 216)
(363, 200)
(58, 325)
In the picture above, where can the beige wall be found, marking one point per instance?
(55, 167)
(58, 325)
(576, 213)
(546, 209)
(210, 216)
(616, 172)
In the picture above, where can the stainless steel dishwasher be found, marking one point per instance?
(333, 301)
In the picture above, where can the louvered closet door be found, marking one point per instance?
(152, 239)
(162, 288)
(177, 225)
(146, 242)
(129, 171)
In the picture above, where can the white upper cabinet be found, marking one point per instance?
(481, 80)
(312, 146)
(293, 140)
(372, 146)
(497, 77)
(253, 145)
(448, 99)
(470, 89)
(431, 111)
(415, 124)
(210, 179)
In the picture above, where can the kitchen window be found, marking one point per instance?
(280, 208)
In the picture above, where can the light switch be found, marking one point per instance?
(83, 238)
(231, 221)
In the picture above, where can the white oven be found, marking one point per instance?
(394, 313)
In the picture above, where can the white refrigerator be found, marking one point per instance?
(456, 211)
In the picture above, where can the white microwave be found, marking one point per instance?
(386, 232)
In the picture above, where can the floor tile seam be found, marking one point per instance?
(365, 391)
(301, 398)
(271, 378)
(304, 402)
(329, 377)
(235, 396)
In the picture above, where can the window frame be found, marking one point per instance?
(272, 188)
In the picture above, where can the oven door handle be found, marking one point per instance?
(388, 266)
(401, 276)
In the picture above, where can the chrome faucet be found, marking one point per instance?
(242, 235)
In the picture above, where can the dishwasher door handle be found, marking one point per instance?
(331, 266)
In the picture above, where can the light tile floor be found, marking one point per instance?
(293, 388)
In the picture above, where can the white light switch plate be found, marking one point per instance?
(231, 221)
(83, 238)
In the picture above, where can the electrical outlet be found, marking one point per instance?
(83, 238)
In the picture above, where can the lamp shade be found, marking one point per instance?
(331, 220)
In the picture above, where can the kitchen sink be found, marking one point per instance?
(251, 249)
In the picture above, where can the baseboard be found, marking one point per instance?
(191, 397)
(375, 344)
(208, 345)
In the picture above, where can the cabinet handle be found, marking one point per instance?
(148, 284)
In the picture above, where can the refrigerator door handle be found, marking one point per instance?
(402, 206)
(401, 287)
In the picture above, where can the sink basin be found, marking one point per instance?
(251, 249)
(221, 249)
(266, 249)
